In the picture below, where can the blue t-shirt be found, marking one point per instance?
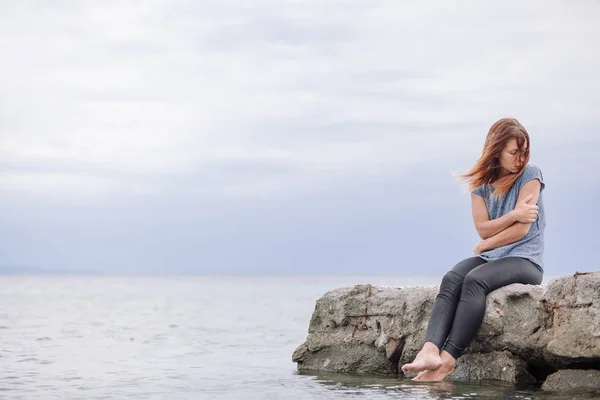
(531, 246)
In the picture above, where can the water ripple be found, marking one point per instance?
(158, 338)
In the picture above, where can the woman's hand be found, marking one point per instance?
(480, 248)
(524, 212)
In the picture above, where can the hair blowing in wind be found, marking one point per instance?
(487, 169)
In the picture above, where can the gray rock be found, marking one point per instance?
(361, 359)
(369, 329)
(572, 379)
(368, 318)
(515, 320)
(573, 306)
(499, 365)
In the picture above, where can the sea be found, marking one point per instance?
(135, 337)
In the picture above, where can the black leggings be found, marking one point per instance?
(459, 307)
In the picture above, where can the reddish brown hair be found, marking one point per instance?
(487, 169)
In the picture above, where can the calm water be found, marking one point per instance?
(181, 338)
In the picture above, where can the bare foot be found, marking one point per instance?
(439, 373)
(416, 378)
(427, 359)
(434, 376)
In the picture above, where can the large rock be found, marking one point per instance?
(515, 320)
(347, 324)
(573, 306)
(497, 365)
(526, 330)
(570, 379)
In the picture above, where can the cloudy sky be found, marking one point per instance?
(286, 136)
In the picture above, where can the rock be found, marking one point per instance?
(526, 330)
(573, 305)
(367, 318)
(393, 349)
(515, 320)
(572, 379)
(361, 359)
(299, 353)
(498, 365)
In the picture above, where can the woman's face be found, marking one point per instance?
(511, 158)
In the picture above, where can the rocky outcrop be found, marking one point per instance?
(573, 379)
(573, 306)
(497, 365)
(528, 331)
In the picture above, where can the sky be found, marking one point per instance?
(285, 137)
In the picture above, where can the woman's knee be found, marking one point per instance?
(467, 265)
(450, 281)
(474, 283)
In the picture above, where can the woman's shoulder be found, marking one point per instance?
(532, 168)
(531, 171)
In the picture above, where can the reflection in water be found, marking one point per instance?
(402, 388)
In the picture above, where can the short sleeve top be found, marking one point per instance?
(531, 246)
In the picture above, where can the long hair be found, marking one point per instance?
(487, 169)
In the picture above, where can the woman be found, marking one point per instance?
(508, 212)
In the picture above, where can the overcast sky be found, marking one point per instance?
(285, 137)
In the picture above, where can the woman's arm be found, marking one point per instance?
(529, 194)
(486, 228)
(512, 234)
(525, 211)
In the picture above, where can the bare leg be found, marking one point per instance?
(427, 359)
(448, 362)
